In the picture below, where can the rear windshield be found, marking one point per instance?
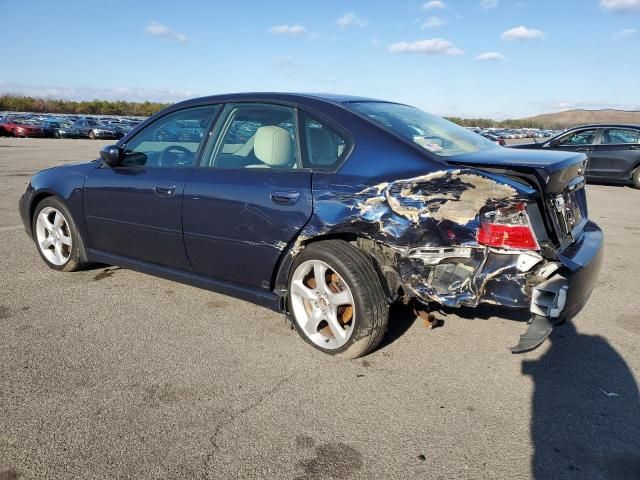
(434, 134)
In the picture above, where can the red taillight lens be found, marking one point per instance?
(507, 228)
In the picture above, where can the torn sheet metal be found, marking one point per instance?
(422, 231)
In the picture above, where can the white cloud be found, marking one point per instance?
(131, 94)
(433, 22)
(434, 4)
(434, 46)
(487, 4)
(624, 6)
(487, 56)
(350, 19)
(158, 30)
(283, 62)
(624, 34)
(294, 30)
(522, 33)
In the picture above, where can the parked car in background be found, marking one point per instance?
(20, 127)
(613, 151)
(55, 128)
(494, 138)
(328, 208)
(93, 129)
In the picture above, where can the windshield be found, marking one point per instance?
(434, 134)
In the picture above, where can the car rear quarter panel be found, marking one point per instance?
(390, 194)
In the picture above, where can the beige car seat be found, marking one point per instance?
(273, 146)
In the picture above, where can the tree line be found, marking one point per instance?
(17, 103)
(488, 123)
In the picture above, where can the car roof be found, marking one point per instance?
(607, 125)
(279, 96)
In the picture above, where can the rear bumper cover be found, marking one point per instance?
(563, 295)
(581, 265)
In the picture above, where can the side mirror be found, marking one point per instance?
(111, 155)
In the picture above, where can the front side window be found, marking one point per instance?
(324, 146)
(435, 134)
(256, 136)
(613, 136)
(583, 137)
(171, 141)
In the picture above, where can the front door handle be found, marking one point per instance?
(635, 147)
(165, 191)
(285, 198)
(583, 149)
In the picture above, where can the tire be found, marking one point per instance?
(68, 258)
(635, 177)
(310, 304)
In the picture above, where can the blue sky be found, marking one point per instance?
(493, 58)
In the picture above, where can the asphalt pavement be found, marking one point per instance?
(109, 373)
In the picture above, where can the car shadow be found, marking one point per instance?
(401, 318)
(585, 410)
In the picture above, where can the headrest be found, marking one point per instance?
(273, 146)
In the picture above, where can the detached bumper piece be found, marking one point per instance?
(563, 295)
(547, 303)
(539, 329)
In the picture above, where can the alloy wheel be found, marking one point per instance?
(53, 236)
(322, 304)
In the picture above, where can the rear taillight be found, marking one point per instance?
(507, 228)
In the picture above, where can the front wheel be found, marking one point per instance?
(336, 299)
(57, 237)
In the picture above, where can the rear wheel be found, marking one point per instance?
(336, 299)
(635, 177)
(57, 237)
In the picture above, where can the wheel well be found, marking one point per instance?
(36, 200)
(390, 285)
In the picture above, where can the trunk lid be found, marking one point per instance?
(558, 177)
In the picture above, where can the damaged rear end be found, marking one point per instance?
(556, 231)
(480, 224)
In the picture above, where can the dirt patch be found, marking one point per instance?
(106, 273)
(217, 304)
(5, 312)
(630, 323)
(332, 460)
(9, 475)
(302, 441)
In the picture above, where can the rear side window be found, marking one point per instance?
(324, 146)
(583, 137)
(613, 136)
(256, 136)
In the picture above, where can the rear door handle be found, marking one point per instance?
(583, 149)
(635, 147)
(285, 198)
(165, 191)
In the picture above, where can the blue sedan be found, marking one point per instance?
(327, 208)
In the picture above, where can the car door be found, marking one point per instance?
(135, 209)
(616, 155)
(581, 140)
(249, 197)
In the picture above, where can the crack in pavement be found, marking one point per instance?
(235, 415)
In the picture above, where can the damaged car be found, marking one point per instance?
(328, 208)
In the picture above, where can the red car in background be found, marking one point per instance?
(19, 128)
